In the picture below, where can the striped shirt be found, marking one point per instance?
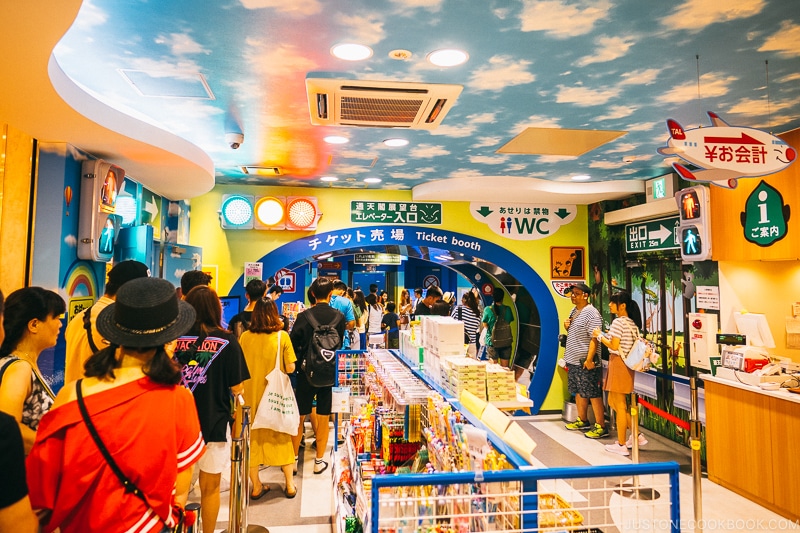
(626, 331)
(472, 322)
(579, 334)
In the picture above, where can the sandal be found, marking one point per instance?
(290, 495)
(264, 489)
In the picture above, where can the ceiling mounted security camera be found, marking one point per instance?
(234, 140)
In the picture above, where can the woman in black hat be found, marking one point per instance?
(131, 406)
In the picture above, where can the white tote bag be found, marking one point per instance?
(277, 409)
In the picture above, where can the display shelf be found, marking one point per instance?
(513, 457)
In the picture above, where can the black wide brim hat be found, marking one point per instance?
(146, 313)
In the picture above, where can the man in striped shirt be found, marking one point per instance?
(584, 369)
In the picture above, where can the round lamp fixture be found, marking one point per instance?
(351, 51)
(329, 178)
(581, 177)
(302, 212)
(448, 57)
(396, 142)
(269, 211)
(336, 139)
(237, 211)
(372, 180)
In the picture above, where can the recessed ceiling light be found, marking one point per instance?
(372, 180)
(351, 51)
(448, 57)
(336, 139)
(329, 178)
(396, 142)
(581, 177)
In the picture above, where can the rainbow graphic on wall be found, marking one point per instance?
(80, 286)
(80, 281)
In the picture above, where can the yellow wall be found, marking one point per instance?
(16, 151)
(768, 287)
(230, 249)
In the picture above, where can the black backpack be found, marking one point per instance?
(319, 362)
(501, 332)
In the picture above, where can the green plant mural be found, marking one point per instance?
(664, 289)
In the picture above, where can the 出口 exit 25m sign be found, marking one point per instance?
(652, 235)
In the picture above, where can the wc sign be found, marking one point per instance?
(523, 222)
(765, 216)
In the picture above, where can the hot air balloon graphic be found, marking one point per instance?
(68, 197)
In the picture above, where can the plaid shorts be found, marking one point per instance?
(587, 383)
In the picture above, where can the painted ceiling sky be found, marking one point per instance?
(203, 68)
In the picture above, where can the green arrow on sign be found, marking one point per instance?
(485, 211)
(562, 213)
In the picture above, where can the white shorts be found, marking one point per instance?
(216, 458)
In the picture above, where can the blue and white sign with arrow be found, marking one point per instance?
(523, 222)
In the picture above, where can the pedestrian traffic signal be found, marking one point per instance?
(98, 224)
(694, 229)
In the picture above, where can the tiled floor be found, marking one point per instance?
(722, 510)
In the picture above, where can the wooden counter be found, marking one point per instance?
(752, 443)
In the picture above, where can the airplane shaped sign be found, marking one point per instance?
(725, 153)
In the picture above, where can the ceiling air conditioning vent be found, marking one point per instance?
(379, 104)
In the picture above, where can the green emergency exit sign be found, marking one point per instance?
(652, 235)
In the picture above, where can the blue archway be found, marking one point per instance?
(369, 237)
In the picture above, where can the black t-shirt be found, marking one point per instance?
(302, 329)
(217, 366)
(12, 462)
(422, 309)
(389, 324)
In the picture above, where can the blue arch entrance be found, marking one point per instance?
(371, 237)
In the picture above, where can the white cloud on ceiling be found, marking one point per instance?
(429, 5)
(561, 19)
(389, 163)
(428, 150)
(607, 164)
(535, 121)
(584, 96)
(759, 107)
(418, 174)
(516, 167)
(785, 42)
(617, 111)
(694, 15)
(295, 8)
(271, 61)
(789, 78)
(640, 77)
(90, 16)
(465, 173)
(607, 49)
(466, 129)
(483, 142)
(488, 159)
(502, 71)
(556, 158)
(181, 44)
(622, 148)
(712, 84)
(362, 29)
(646, 126)
(350, 169)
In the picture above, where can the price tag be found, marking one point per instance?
(341, 400)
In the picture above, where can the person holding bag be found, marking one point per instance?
(269, 352)
(621, 335)
(127, 420)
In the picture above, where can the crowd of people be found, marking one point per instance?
(161, 360)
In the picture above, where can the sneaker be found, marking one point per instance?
(578, 424)
(642, 441)
(597, 432)
(617, 448)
